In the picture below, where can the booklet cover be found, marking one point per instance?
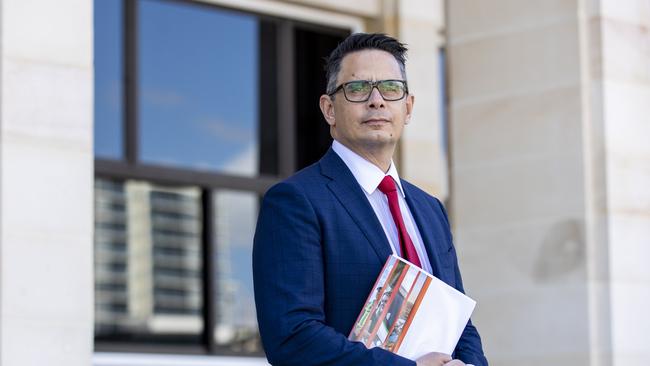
(411, 313)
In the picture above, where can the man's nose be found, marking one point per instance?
(376, 100)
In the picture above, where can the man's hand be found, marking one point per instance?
(438, 359)
(455, 363)
(433, 359)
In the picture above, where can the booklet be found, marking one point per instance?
(410, 312)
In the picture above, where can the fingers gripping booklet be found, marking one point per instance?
(410, 312)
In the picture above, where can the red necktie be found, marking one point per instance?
(387, 186)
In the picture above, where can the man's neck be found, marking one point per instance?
(380, 156)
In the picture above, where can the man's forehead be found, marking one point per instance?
(369, 64)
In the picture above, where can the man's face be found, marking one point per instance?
(376, 123)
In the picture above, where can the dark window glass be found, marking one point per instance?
(312, 132)
(198, 82)
(234, 224)
(148, 261)
(108, 79)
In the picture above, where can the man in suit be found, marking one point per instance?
(324, 234)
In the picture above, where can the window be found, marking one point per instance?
(198, 110)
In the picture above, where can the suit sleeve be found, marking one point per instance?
(289, 289)
(469, 348)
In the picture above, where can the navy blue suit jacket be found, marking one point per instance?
(317, 252)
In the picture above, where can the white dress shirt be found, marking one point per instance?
(368, 175)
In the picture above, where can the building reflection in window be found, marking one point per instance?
(148, 258)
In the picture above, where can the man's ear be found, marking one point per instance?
(410, 100)
(327, 108)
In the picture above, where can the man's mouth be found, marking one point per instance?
(376, 120)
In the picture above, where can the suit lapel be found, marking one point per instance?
(349, 193)
(423, 216)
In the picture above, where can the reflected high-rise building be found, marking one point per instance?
(111, 257)
(153, 282)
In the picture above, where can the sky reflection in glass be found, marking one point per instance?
(235, 216)
(198, 104)
(108, 79)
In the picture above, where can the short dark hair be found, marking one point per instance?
(358, 42)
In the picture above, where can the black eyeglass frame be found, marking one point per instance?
(373, 85)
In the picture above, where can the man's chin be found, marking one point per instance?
(378, 140)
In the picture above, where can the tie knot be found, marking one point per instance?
(387, 185)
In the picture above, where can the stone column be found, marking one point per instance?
(550, 168)
(46, 183)
(423, 148)
(622, 78)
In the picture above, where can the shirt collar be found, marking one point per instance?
(367, 174)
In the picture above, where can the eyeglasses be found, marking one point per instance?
(359, 91)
